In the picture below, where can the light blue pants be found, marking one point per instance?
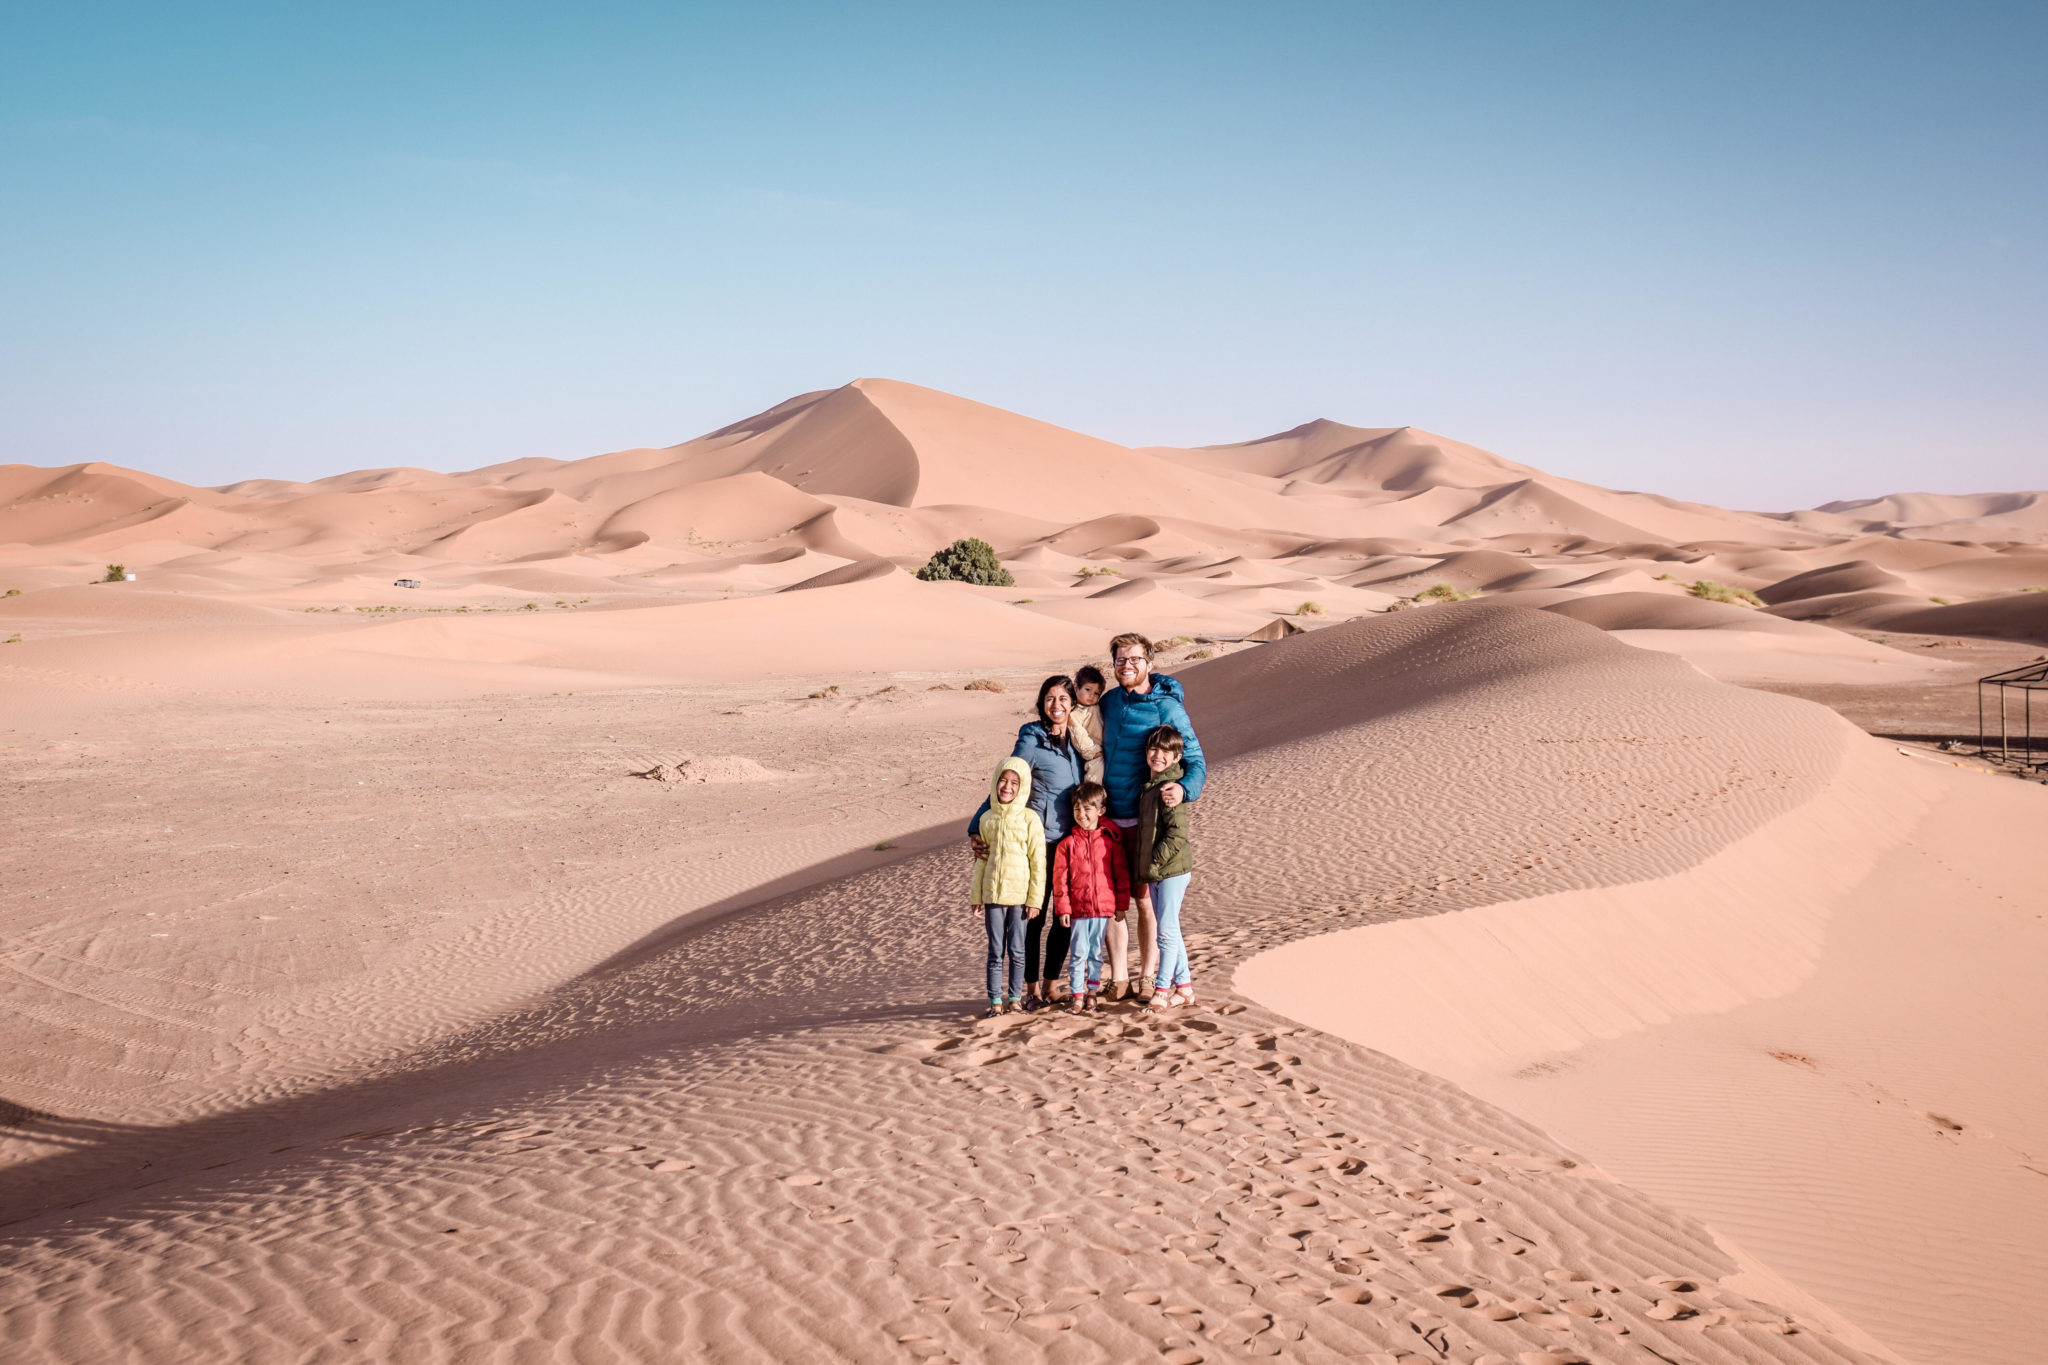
(1084, 953)
(1173, 950)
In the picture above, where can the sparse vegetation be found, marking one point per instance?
(1023, 601)
(1176, 642)
(985, 685)
(116, 573)
(826, 693)
(530, 606)
(1087, 572)
(967, 560)
(1708, 590)
(1444, 592)
(12, 591)
(940, 687)
(1942, 601)
(13, 639)
(1202, 654)
(16, 592)
(1310, 609)
(885, 845)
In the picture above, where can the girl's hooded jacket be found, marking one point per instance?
(1055, 772)
(1090, 877)
(1014, 871)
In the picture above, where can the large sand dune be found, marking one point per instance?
(370, 1004)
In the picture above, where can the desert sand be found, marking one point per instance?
(1571, 987)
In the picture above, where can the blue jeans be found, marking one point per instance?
(1173, 950)
(1084, 953)
(1005, 937)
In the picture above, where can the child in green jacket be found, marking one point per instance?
(1162, 860)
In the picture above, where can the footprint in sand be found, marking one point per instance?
(1354, 1293)
(672, 1163)
(1051, 1322)
(1181, 1355)
(803, 1178)
(1144, 1296)
(616, 1148)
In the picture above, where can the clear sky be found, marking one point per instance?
(1758, 254)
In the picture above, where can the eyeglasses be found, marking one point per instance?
(1123, 659)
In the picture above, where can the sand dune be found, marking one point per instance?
(564, 958)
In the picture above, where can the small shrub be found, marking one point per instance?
(1309, 609)
(1023, 602)
(16, 592)
(530, 606)
(1175, 643)
(1202, 654)
(115, 573)
(985, 685)
(1092, 573)
(1443, 592)
(1710, 591)
(13, 639)
(885, 845)
(12, 591)
(940, 687)
(1942, 601)
(826, 694)
(967, 560)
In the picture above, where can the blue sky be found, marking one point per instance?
(1758, 254)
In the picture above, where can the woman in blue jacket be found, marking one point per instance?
(1047, 744)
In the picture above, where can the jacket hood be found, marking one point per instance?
(1166, 685)
(1023, 771)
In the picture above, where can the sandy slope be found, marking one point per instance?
(730, 1140)
(372, 1009)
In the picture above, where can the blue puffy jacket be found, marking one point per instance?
(1055, 772)
(1126, 720)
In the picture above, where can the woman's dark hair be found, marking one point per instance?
(1086, 674)
(1059, 680)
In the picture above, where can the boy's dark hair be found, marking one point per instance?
(1089, 673)
(1088, 791)
(1166, 740)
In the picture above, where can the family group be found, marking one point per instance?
(1084, 837)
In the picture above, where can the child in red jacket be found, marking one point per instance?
(1091, 884)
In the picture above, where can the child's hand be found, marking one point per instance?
(1066, 921)
(1119, 917)
(976, 909)
(1033, 913)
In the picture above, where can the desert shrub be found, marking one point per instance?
(940, 687)
(967, 560)
(1202, 654)
(1309, 609)
(16, 592)
(885, 845)
(1175, 643)
(985, 685)
(1443, 592)
(825, 693)
(530, 606)
(13, 639)
(115, 573)
(1094, 573)
(1710, 591)
(1942, 601)
(12, 591)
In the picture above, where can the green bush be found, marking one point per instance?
(1443, 592)
(1710, 591)
(1309, 609)
(968, 560)
(115, 573)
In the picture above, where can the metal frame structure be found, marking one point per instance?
(2015, 747)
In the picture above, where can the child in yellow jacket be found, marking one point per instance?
(1009, 883)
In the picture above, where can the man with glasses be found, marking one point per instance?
(1136, 706)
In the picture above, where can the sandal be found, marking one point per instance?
(1184, 994)
(1032, 1004)
(995, 1007)
(1162, 1000)
(1076, 1005)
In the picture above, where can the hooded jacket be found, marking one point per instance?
(1014, 871)
(1055, 771)
(1091, 878)
(1160, 845)
(1126, 720)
